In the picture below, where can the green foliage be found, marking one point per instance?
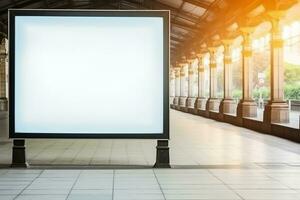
(292, 91)
(292, 81)
(237, 94)
(265, 93)
(291, 74)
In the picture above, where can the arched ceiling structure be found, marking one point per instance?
(192, 21)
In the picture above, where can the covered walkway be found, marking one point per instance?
(212, 161)
(196, 142)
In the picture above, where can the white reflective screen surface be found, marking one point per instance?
(88, 75)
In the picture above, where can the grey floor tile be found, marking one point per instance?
(90, 194)
(7, 197)
(45, 192)
(268, 194)
(10, 191)
(41, 197)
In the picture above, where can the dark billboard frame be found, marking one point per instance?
(165, 14)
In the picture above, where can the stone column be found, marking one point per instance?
(190, 102)
(177, 87)
(277, 110)
(213, 101)
(247, 106)
(172, 86)
(190, 78)
(201, 99)
(3, 75)
(183, 82)
(227, 105)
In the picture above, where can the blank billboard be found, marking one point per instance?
(89, 74)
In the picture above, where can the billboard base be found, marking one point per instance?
(18, 154)
(162, 154)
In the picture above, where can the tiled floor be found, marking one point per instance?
(194, 141)
(158, 184)
(210, 160)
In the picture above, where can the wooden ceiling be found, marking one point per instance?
(191, 20)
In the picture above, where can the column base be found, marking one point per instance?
(277, 112)
(190, 104)
(182, 104)
(3, 104)
(247, 108)
(176, 102)
(228, 106)
(200, 103)
(171, 100)
(213, 104)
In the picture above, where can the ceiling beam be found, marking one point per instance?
(17, 4)
(176, 39)
(200, 3)
(183, 25)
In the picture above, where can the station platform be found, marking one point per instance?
(210, 160)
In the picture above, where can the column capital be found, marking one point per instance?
(227, 51)
(176, 69)
(276, 14)
(247, 30)
(200, 62)
(190, 61)
(200, 55)
(177, 72)
(276, 31)
(227, 42)
(212, 50)
(182, 64)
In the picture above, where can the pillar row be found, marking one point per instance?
(247, 106)
(177, 86)
(190, 102)
(177, 82)
(228, 105)
(183, 82)
(201, 99)
(277, 110)
(190, 78)
(213, 101)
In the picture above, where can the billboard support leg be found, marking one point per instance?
(162, 154)
(18, 154)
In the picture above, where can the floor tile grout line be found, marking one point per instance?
(65, 150)
(275, 179)
(45, 148)
(76, 180)
(94, 153)
(28, 185)
(113, 185)
(154, 173)
(78, 152)
(226, 185)
(111, 152)
(143, 152)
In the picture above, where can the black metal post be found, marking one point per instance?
(18, 154)
(162, 154)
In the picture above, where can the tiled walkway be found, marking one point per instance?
(210, 160)
(159, 184)
(194, 141)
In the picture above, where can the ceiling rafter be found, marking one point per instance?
(198, 3)
(18, 4)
